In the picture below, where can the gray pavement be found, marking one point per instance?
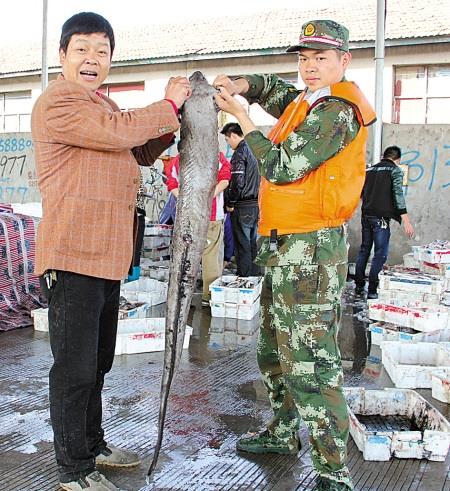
(217, 396)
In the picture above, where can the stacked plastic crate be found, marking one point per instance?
(156, 251)
(412, 306)
(234, 297)
(412, 326)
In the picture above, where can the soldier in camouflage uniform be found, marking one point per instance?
(305, 256)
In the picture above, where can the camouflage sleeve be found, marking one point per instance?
(327, 130)
(397, 190)
(271, 92)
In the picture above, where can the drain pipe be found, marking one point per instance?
(379, 67)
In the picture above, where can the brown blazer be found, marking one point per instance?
(87, 155)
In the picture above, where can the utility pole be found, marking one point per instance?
(379, 67)
(44, 73)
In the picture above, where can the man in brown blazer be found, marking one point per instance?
(87, 154)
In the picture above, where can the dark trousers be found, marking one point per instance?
(83, 313)
(245, 226)
(375, 231)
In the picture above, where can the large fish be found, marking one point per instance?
(198, 177)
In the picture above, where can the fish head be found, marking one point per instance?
(200, 86)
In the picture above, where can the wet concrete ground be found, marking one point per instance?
(216, 398)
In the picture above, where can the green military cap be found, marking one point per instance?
(322, 34)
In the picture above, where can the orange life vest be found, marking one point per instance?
(329, 195)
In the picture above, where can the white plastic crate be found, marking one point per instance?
(409, 261)
(440, 384)
(40, 319)
(436, 269)
(235, 310)
(138, 312)
(161, 253)
(410, 364)
(221, 293)
(411, 281)
(157, 229)
(383, 331)
(156, 242)
(405, 296)
(435, 255)
(148, 290)
(430, 441)
(420, 316)
(144, 335)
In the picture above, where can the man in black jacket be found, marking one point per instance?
(382, 199)
(241, 200)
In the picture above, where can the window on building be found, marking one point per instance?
(15, 111)
(422, 94)
(127, 96)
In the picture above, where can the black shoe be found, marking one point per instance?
(359, 290)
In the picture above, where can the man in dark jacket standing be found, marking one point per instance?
(382, 199)
(241, 200)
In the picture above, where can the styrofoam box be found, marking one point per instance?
(157, 229)
(430, 442)
(220, 293)
(384, 331)
(435, 255)
(235, 310)
(148, 290)
(40, 319)
(415, 282)
(144, 335)
(440, 384)
(410, 364)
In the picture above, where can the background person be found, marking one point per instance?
(382, 199)
(213, 254)
(87, 154)
(312, 166)
(241, 200)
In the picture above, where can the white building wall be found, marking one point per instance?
(155, 76)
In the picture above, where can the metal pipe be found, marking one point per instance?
(379, 67)
(44, 73)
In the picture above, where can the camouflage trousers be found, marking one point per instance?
(300, 362)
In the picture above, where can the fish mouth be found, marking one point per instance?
(197, 77)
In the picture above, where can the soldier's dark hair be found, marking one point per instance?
(392, 153)
(85, 23)
(232, 128)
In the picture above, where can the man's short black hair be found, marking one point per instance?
(85, 23)
(232, 128)
(392, 153)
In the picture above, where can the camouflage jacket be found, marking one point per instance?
(329, 127)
